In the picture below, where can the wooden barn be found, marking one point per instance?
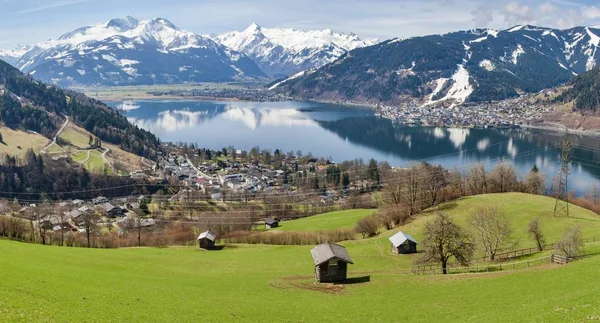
(206, 240)
(403, 243)
(271, 223)
(331, 262)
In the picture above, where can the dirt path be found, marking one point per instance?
(43, 151)
(88, 158)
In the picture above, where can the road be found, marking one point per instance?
(205, 176)
(43, 151)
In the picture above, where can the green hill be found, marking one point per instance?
(262, 283)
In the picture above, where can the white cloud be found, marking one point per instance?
(591, 12)
(52, 5)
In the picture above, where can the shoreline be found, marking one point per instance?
(548, 126)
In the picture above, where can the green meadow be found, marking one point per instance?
(261, 283)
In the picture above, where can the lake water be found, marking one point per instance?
(345, 133)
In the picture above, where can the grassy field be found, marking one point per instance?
(333, 220)
(12, 139)
(261, 283)
(79, 139)
(95, 164)
(520, 209)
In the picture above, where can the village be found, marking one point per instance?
(512, 113)
(203, 179)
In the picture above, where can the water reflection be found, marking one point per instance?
(350, 133)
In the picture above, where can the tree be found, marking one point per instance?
(1, 138)
(534, 229)
(477, 180)
(90, 220)
(444, 240)
(136, 225)
(535, 183)
(368, 227)
(504, 178)
(493, 230)
(63, 216)
(373, 171)
(345, 180)
(571, 245)
(90, 140)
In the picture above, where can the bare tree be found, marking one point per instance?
(535, 230)
(477, 180)
(493, 230)
(571, 245)
(90, 220)
(535, 183)
(63, 216)
(593, 195)
(368, 227)
(444, 240)
(434, 179)
(504, 178)
(136, 225)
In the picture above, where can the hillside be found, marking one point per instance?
(283, 275)
(583, 91)
(465, 66)
(27, 104)
(128, 51)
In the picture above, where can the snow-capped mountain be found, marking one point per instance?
(12, 56)
(129, 51)
(281, 52)
(474, 65)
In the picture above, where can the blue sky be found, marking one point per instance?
(31, 21)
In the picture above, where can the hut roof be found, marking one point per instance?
(207, 235)
(401, 237)
(270, 221)
(327, 251)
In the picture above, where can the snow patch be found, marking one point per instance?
(461, 88)
(487, 65)
(516, 53)
(295, 76)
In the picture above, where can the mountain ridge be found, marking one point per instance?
(453, 68)
(287, 51)
(128, 51)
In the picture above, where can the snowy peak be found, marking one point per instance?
(129, 51)
(286, 51)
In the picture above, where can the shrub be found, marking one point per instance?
(368, 227)
(289, 238)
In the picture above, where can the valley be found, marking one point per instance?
(205, 167)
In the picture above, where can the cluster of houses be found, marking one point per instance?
(503, 114)
(74, 220)
(212, 178)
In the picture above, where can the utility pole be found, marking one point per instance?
(561, 206)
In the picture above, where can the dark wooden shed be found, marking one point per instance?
(331, 262)
(206, 240)
(271, 223)
(403, 243)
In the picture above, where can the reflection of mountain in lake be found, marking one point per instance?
(175, 120)
(346, 133)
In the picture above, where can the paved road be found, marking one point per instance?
(43, 151)
(196, 169)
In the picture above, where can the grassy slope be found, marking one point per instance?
(79, 138)
(520, 209)
(240, 282)
(333, 220)
(13, 138)
(236, 284)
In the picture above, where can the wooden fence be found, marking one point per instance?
(434, 270)
(558, 259)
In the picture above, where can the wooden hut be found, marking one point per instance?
(206, 240)
(271, 223)
(403, 243)
(331, 262)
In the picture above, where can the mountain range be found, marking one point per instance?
(285, 51)
(128, 51)
(465, 66)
